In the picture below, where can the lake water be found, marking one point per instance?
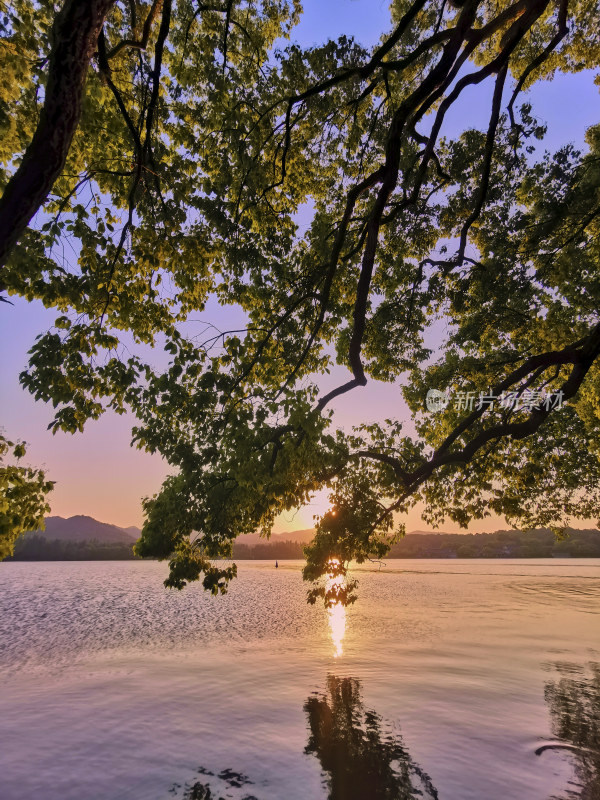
(457, 680)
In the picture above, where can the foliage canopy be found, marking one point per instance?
(23, 493)
(194, 143)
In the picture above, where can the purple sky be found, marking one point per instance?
(97, 472)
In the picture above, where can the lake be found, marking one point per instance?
(457, 680)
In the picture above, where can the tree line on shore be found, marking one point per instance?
(501, 544)
(33, 547)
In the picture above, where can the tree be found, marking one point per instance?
(199, 142)
(22, 497)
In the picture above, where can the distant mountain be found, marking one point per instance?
(135, 532)
(82, 528)
(86, 529)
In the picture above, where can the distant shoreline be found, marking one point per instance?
(301, 558)
(493, 546)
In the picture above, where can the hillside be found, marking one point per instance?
(85, 529)
(134, 531)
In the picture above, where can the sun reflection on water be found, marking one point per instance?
(337, 614)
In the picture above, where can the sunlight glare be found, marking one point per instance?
(337, 615)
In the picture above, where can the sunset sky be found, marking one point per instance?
(97, 473)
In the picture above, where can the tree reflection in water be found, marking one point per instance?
(361, 759)
(574, 704)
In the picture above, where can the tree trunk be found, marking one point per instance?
(75, 34)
